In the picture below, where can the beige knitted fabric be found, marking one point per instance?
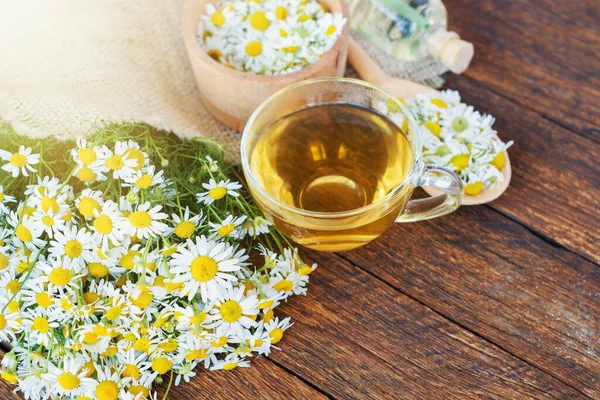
(68, 64)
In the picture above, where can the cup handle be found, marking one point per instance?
(449, 200)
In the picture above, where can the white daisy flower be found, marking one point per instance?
(39, 323)
(232, 311)
(257, 226)
(230, 362)
(133, 364)
(4, 200)
(118, 162)
(88, 202)
(144, 179)
(108, 387)
(27, 231)
(217, 191)
(230, 226)
(70, 379)
(20, 162)
(106, 224)
(276, 328)
(204, 266)
(144, 222)
(45, 186)
(184, 227)
(460, 121)
(213, 165)
(58, 276)
(74, 245)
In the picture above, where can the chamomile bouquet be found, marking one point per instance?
(131, 257)
(459, 137)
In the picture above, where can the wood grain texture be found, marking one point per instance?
(494, 277)
(356, 337)
(555, 186)
(543, 55)
(263, 380)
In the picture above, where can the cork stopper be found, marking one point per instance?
(451, 50)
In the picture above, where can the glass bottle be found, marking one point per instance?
(411, 30)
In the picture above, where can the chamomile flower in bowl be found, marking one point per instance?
(243, 52)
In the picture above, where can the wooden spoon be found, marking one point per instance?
(369, 71)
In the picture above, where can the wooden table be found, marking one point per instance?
(498, 301)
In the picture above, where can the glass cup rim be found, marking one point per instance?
(252, 182)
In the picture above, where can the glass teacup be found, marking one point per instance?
(334, 162)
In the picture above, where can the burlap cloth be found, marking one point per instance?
(66, 65)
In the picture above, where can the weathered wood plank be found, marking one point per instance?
(6, 391)
(356, 337)
(555, 188)
(542, 54)
(496, 278)
(263, 380)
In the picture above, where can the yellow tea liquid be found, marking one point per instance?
(332, 158)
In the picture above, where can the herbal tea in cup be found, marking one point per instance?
(334, 162)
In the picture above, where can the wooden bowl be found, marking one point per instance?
(232, 96)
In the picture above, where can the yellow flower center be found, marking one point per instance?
(331, 30)
(305, 270)
(144, 182)
(283, 32)
(290, 49)
(24, 234)
(131, 371)
(169, 346)
(140, 219)
(97, 270)
(1, 197)
(4, 261)
(73, 248)
(303, 18)
(143, 300)
(217, 18)
(113, 313)
(225, 230)
(265, 304)
(18, 160)
(138, 155)
(253, 49)
(433, 127)
(87, 205)
(48, 220)
(439, 102)
(198, 318)
(2, 322)
(9, 376)
(268, 316)
(215, 54)
(283, 286)
(139, 389)
(259, 21)
(60, 276)
(89, 366)
(199, 354)
(103, 224)
(85, 174)
(107, 390)
(229, 366)
(66, 304)
(126, 260)
(473, 189)
(161, 365)
(204, 268)
(86, 155)
(13, 286)
(185, 229)
(91, 297)
(68, 381)
(220, 342)
(44, 300)
(276, 335)
(230, 311)
(281, 12)
(13, 306)
(142, 344)
(460, 161)
(499, 160)
(115, 162)
(90, 338)
(48, 203)
(41, 325)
